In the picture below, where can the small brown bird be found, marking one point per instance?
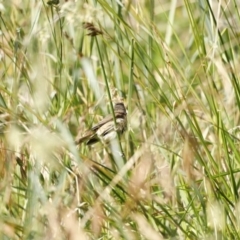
(105, 130)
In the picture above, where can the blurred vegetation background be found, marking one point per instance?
(175, 63)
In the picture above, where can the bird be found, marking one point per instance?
(105, 130)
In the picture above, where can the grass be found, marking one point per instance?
(175, 64)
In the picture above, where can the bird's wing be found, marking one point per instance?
(87, 135)
(109, 126)
(105, 129)
(102, 122)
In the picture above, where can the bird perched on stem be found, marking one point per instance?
(105, 130)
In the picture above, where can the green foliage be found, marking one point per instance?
(174, 174)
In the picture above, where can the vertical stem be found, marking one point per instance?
(111, 104)
(130, 87)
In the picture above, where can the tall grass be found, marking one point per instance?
(174, 174)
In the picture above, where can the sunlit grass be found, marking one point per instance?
(176, 66)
